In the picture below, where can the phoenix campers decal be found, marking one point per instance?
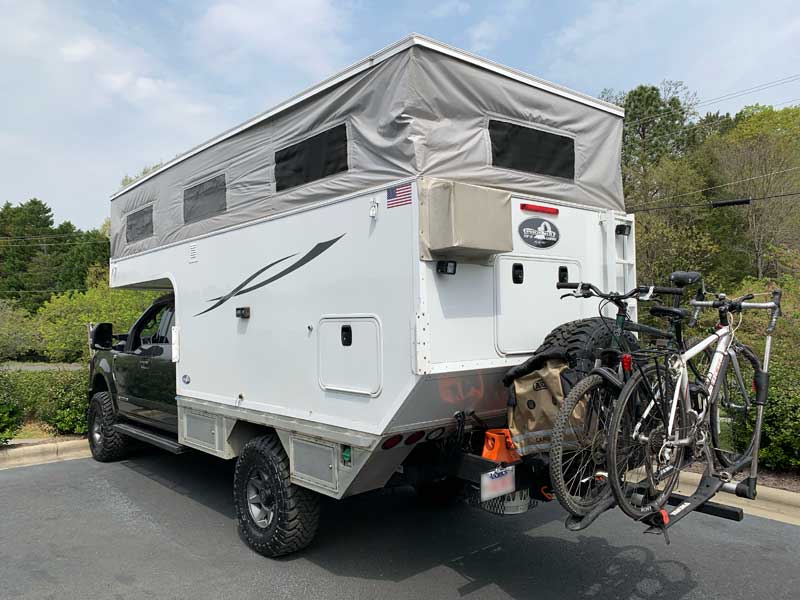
(539, 233)
(245, 288)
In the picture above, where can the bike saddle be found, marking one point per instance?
(669, 312)
(684, 278)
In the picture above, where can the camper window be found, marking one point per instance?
(317, 157)
(139, 224)
(531, 150)
(204, 200)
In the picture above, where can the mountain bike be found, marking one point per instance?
(578, 443)
(662, 423)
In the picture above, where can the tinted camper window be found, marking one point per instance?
(315, 158)
(531, 150)
(139, 224)
(204, 200)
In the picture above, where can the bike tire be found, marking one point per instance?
(733, 411)
(579, 497)
(633, 497)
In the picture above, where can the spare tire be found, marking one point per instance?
(581, 340)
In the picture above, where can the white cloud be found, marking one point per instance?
(622, 44)
(450, 8)
(502, 20)
(83, 108)
(309, 35)
(78, 50)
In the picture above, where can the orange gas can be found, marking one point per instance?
(497, 446)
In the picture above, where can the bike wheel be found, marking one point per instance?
(642, 470)
(733, 412)
(578, 446)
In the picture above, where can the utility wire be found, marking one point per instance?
(45, 235)
(723, 98)
(42, 291)
(722, 204)
(714, 187)
(38, 244)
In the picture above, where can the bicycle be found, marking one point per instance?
(659, 416)
(578, 442)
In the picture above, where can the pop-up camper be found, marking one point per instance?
(356, 267)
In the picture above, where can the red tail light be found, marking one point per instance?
(392, 442)
(548, 210)
(415, 437)
(627, 363)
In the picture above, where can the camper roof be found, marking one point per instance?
(417, 107)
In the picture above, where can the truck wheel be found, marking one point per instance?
(105, 443)
(275, 517)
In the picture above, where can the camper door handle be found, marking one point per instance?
(144, 363)
(517, 273)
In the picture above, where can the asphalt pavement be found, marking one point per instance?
(161, 526)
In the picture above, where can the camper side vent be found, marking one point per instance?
(192, 253)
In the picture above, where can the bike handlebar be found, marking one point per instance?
(589, 289)
(739, 305)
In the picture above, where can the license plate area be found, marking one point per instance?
(498, 482)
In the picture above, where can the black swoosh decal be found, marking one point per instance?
(240, 289)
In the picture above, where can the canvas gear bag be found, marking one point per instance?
(538, 398)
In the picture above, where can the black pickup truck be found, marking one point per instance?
(133, 384)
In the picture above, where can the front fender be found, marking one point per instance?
(102, 368)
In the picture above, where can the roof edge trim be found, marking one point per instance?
(370, 61)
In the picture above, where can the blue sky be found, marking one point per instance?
(91, 90)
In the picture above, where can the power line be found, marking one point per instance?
(45, 235)
(42, 291)
(712, 205)
(723, 98)
(714, 187)
(37, 244)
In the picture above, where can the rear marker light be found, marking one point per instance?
(392, 442)
(627, 363)
(414, 438)
(548, 210)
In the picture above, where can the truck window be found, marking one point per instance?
(139, 224)
(319, 156)
(155, 330)
(531, 150)
(204, 200)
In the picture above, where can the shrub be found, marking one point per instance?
(18, 334)
(10, 413)
(58, 398)
(62, 320)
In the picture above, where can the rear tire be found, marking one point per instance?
(633, 463)
(578, 449)
(275, 516)
(105, 442)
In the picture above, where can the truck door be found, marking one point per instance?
(145, 373)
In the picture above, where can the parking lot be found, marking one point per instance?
(162, 526)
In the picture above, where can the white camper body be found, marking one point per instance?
(330, 317)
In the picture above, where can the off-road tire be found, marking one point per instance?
(105, 442)
(296, 509)
(581, 340)
(576, 506)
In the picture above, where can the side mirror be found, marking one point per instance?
(101, 337)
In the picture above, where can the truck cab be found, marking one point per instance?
(138, 370)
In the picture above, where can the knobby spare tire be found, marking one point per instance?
(581, 340)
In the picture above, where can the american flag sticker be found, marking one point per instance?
(398, 196)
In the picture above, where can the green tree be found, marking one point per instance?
(18, 334)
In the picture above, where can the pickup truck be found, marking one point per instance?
(133, 384)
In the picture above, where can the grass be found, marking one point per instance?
(34, 430)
